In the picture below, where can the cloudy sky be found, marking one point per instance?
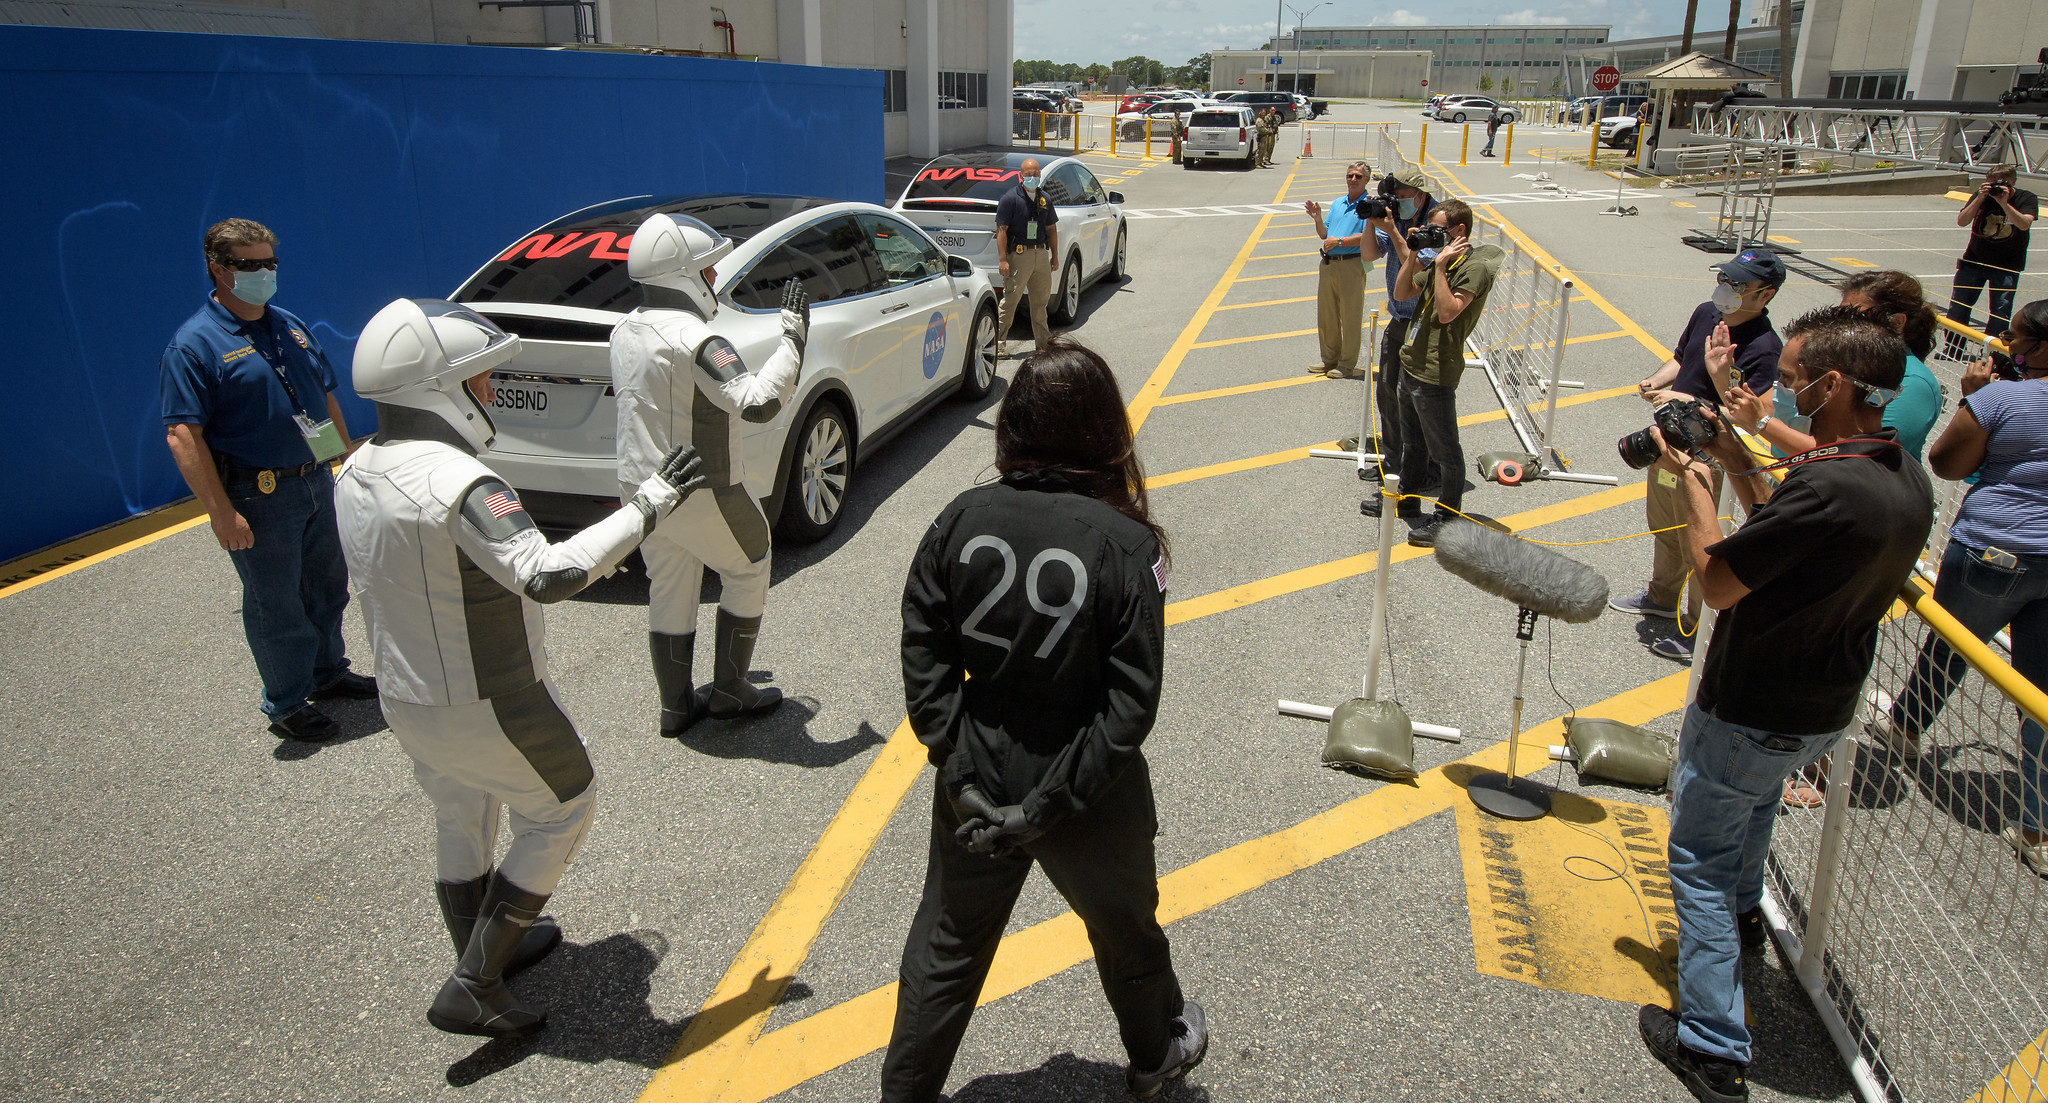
(1173, 31)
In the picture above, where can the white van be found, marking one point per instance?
(1223, 133)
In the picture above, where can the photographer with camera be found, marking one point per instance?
(1405, 195)
(1737, 314)
(1451, 278)
(1802, 586)
(1340, 286)
(2000, 217)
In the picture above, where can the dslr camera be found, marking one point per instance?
(1683, 421)
(1371, 206)
(1428, 236)
(2001, 190)
(2002, 366)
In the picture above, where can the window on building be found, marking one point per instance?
(895, 91)
(1867, 86)
(962, 91)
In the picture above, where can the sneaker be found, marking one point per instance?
(1675, 648)
(1321, 369)
(1424, 536)
(1709, 1079)
(1344, 373)
(1642, 606)
(305, 724)
(1190, 1042)
(1002, 350)
(2034, 856)
(351, 685)
(1749, 926)
(1893, 736)
(1372, 505)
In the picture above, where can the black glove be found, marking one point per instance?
(988, 829)
(796, 315)
(676, 479)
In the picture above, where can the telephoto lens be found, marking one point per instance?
(1639, 449)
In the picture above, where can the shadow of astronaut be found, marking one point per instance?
(1064, 1077)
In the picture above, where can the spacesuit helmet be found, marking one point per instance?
(420, 353)
(673, 251)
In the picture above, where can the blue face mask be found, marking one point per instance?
(1030, 183)
(1785, 407)
(256, 288)
(1407, 209)
(1425, 257)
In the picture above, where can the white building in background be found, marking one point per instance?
(945, 63)
(1514, 60)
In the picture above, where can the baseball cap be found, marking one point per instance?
(1408, 178)
(1752, 265)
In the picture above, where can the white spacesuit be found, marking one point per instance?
(450, 574)
(678, 382)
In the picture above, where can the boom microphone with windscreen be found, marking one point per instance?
(1529, 575)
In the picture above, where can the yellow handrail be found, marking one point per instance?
(1919, 597)
(1976, 335)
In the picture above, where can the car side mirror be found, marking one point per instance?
(1116, 197)
(959, 266)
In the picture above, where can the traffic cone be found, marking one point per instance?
(1308, 141)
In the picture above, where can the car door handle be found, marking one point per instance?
(894, 309)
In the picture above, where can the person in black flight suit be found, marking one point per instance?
(1033, 636)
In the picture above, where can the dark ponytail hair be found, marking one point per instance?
(1898, 293)
(1064, 415)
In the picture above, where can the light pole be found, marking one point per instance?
(1299, 18)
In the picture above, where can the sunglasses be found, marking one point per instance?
(1353, 176)
(248, 264)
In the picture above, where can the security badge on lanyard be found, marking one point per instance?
(323, 440)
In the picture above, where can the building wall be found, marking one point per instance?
(1364, 73)
(1875, 35)
(2006, 32)
(1512, 56)
(446, 21)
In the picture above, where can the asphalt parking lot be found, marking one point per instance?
(202, 912)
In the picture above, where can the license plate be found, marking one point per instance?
(950, 241)
(523, 402)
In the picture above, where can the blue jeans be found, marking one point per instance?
(1429, 438)
(1724, 800)
(294, 586)
(1986, 597)
(1971, 278)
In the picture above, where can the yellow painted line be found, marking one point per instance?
(1222, 341)
(832, 1037)
(1247, 388)
(1266, 302)
(1782, 240)
(1162, 376)
(36, 568)
(1270, 459)
(1322, 574)
(1276, 276)
(1287, 256)
(2021, 1081)
(714, 1045)
(1596, 337)
(1677, 203)
(1305, 237)
(1575, 400)
(1627, 324)
(1960, 196)
(1853, 262)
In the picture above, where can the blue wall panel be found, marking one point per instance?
(386, 170)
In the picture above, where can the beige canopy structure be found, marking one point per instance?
(1693, 73)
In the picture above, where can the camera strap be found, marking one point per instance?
(1846, 448)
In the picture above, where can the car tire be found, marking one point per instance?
(978, 374)
(820, 474)
(1119, 267)
(1066, 304)
(1186, 161)
(1458, 118)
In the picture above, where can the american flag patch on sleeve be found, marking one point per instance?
(724, 357)
(1159, 573)
(503, 503)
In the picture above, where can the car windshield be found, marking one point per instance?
(1215, 118)
(580, 260)
(940, 180)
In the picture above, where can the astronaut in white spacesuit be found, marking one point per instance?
(450, 574)
(679, 382)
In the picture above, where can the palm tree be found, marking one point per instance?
(1692, 10)
(1734, 20)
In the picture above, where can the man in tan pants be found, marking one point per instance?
(1340, 291)
(1027, 238)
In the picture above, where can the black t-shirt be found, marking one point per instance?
(1055, 603)
(1756, 353)
(1018, 209)
(1997, 242)
(1823, 558)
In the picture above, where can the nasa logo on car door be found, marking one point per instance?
(934, 344)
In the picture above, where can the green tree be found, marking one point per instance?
(1142, 71)
(1486, 82)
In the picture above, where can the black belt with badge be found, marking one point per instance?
(265, 478)
(1021, 248)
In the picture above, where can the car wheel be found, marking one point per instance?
(1118, 267)
(815, 496)
(1186, 161)
(1507, 118)
(1067, 305)
(1458, 118)
(979, 373)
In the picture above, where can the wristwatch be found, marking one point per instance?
(1763, 421)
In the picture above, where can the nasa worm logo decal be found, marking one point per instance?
(934, 344)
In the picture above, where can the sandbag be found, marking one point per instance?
(1506, 468)
(1374, 736)
(1618, 753)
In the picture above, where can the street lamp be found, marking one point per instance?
(1299, 17)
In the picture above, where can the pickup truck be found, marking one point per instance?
(1224, 133)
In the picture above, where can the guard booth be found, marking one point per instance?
(1674, 87)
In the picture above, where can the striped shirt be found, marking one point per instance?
(2008, 508)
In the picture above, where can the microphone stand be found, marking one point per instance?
(1510, 795)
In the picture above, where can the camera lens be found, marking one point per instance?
(1639, 449)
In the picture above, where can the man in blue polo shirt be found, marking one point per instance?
(1340, 290)
(1027, 238)
(250, 417)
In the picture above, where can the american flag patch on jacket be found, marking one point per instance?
(503, 503)
(1159, 573)
(723, 357)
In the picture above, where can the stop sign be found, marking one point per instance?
(1425, 82)
(1606, 78)
(1240, 82)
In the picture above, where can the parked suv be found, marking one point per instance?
(1259, 101)
(1224, 133)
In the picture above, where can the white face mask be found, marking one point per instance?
(1727, 299)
